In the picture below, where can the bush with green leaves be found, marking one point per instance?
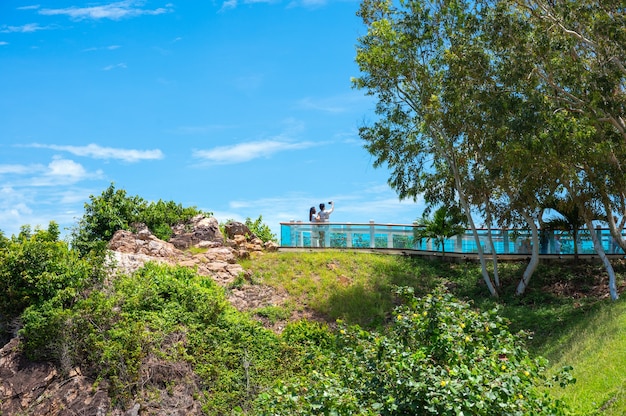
(114, 210)
(36, 267)
(260, 229)
(256, 227)
(111, 334)
(438, 357)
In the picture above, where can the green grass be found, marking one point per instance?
(570, 320)
(596, 347)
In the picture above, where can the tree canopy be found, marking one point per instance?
(499, 107)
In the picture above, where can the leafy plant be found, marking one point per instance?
(260, 229)
(113, 210)
(445, 223)
(36, 267)
(439, 357)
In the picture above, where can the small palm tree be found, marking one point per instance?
(445, 223)
(569, 218)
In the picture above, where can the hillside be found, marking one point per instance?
(234, 344)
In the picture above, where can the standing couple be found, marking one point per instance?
(318, 233)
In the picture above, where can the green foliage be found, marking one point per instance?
(35, 267)
(113, 210)
(273, 313)
(111, 334)
(308, 333)
(445, 223)
(438, 357)
(161, 215)
(261, 230)
(256, 227)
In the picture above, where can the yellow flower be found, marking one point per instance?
(526, 373)
(462, 325)
(443, 383)
(425, 313)
(343, 331)
(503, 367)
(467, 338)
(399, 317)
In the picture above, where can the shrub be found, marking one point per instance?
(260, 229)
(438, 357)
(113, 210)
(36, 267)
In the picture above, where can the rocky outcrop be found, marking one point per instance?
(200, 231)
(28, 388)
(169, 388)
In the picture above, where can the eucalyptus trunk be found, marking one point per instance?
(534, 257)
(597, 245)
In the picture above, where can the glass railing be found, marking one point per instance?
(399, 236)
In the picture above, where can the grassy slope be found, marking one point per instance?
(571, 321)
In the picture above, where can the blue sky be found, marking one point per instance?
(241, 108)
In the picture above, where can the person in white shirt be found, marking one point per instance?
(323, 214)
(324, 217)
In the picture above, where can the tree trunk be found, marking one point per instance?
(534, 258)
(597, 245)
(450, 158)
(481, 254)
(494, 256)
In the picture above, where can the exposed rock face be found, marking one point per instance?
(28, 388)
(199, 231)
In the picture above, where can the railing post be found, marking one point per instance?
(372, 235)
(348, 236)
(505, 241)
(300, 235)
(292, 234)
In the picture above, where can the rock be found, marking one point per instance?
(198, 230)
(235, 228)
(28, 388)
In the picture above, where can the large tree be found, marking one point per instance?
(577, 50)
(425, 62)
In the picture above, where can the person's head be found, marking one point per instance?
(311, 213)
(322, 206)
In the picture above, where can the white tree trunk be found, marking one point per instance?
(441, 146)
(597, 245)
(470, 219)
(494, 256)
(534, 258)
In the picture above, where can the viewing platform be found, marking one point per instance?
(372, 235)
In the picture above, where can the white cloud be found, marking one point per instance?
(66, 168)
(113, 11)
(15, 169)
(110, 67)
(2, 43)
(61, 172)
(108, 48)
(27, 28)
(228, 5)
(244, 152)
(98, 152)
